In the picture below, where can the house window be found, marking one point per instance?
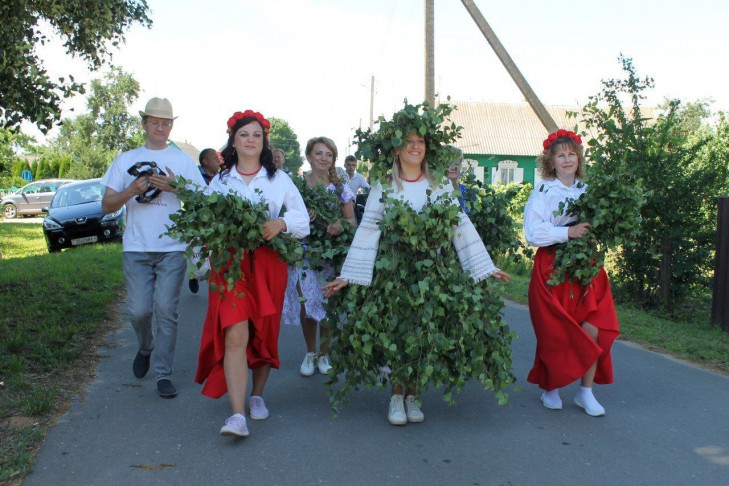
(471, 165)
(507, 175)
(507, 172)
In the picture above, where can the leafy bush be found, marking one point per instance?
(490, 211)
(683, 174)
(10, 182)
(613, 210)
(323, 249)
(226, 227)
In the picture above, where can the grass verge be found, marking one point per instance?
(54, 311)
(691, 338)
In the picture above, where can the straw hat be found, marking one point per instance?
(158, 108)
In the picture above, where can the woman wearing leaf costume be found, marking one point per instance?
(242, 323)
(421, 318)
(337, 215)
(575, 325)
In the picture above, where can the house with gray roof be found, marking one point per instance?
(501, 141)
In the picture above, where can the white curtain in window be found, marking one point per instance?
(508, 171)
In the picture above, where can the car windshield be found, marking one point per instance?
(78, 194)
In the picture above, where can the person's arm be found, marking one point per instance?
(346, 200)
(360, 262)
(472, 252)
(348, 213)
(538, 227)
(296, 218)
(164, 182)
(114, 201)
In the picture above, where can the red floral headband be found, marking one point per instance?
(240, 115)
(560, 134)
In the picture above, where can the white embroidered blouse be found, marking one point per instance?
(541, 226)
(359, 264)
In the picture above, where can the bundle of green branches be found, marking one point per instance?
(488, 210)
(323, 249)
(226, 227)
(611, 204)
(378, 147)
(422, 316)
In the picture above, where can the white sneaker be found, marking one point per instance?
(551, 402)
(257, 406)
(396, 414)
(235, 426)
(323, 364)
(307, 366)
(589, 404)
(415, 415)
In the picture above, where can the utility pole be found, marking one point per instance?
(372, 101)
(510, 66)
(430, 52)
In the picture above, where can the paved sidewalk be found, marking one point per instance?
(667, 423)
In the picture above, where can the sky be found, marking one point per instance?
(310, 62)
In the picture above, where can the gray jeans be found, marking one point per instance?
(154, 281)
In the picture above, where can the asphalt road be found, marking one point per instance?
(667, 423)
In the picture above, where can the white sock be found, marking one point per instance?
(586, 391)
(552, 396)
(589, 400)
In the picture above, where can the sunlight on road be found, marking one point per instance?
(714, 454)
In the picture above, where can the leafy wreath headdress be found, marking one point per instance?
(430, 123)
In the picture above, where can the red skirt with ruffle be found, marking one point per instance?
(264, 288)
(564, 350)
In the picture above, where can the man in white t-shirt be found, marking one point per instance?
(356, 181)
(154, 265)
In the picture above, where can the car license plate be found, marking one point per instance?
(82, 241)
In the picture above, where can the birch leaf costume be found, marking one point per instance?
(420, 307)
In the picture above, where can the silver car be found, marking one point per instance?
(31, 198)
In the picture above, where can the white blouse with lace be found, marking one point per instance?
(360, 262)
(541, 226)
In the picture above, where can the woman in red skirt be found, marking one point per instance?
(575, 326)
(242, 324)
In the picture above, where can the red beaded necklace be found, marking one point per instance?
(412, 180)
(248, 175)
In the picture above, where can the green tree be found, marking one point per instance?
(282, 136)
(19, 166)
(93, 139)
(54, 167)
(11, 141)
(668, 155)
(113, 127)
(64, 166)
(89, 29)
(691, 118)
(42, 169)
